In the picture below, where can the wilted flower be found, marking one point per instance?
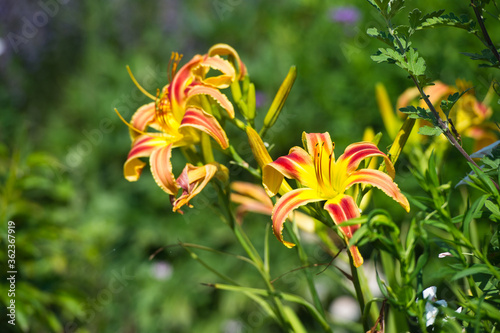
(324, 179)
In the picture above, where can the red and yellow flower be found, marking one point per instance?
(469, 115)
(180, 111)
(324, 179)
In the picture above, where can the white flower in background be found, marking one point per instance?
(161, 270)
(445, 254)
(345, 309)
(431, 310)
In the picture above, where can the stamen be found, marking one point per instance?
(172, 65)
(138, 85)
(128, 124)
(330, 168)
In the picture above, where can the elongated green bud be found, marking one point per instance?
(280, 98)
(251, 102)
(258, 148)
(236, 91)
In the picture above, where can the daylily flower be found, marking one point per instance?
(470, 116)
(324, 179)
(176, 118)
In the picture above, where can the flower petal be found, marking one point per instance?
(313, 140)
(223, 80)
(357, 152)
(220, 98)
(320, 147)
(224, 49)
(380, 180)
(286, 204)
(343, 208)
(296, 165)
(199, 119)
(161, 168)
(142, 146)
(144, 116)
(180, 82)
(254, 191)
(192, 180)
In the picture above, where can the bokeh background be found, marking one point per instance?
(84, 235)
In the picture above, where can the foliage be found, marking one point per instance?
(95, 253)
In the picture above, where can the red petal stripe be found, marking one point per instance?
(286, 204)
(199, 119)
(380, 180)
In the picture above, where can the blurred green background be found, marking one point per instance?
(84, 235)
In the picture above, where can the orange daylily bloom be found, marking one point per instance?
(324, 179)
(176, 118)
(470, 116)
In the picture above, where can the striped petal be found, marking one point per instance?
(357, 152)
(320, 147)
(223, 80)
(343, 208)
(161, 168)
(296, 165)
(220, 98)
(180, 82)
(143, 146)
(192, 180)
(144, 116)
(224, 49)
(380, 180)
(199, 119)
(252, 191)
(312, 141)
(286, 205)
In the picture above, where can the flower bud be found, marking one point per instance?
(251, 102)
(280, 98)
(258, 148)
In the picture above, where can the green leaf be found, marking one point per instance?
(486, 55)
(417, 112)
(382, 36)
(416, 64)
(494, 209)
(416, 19)
(476, 269)
(388, 55)
(447, 105)
(428, 130)
(471, 213)
(450, 20)
(395, 7)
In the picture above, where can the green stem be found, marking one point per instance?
(488, 41)
(247, 245)
(238, 160)
(305, 262)
(358, 289)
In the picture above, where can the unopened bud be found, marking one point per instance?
(251, 102)
(258, 148)
(280, 98)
